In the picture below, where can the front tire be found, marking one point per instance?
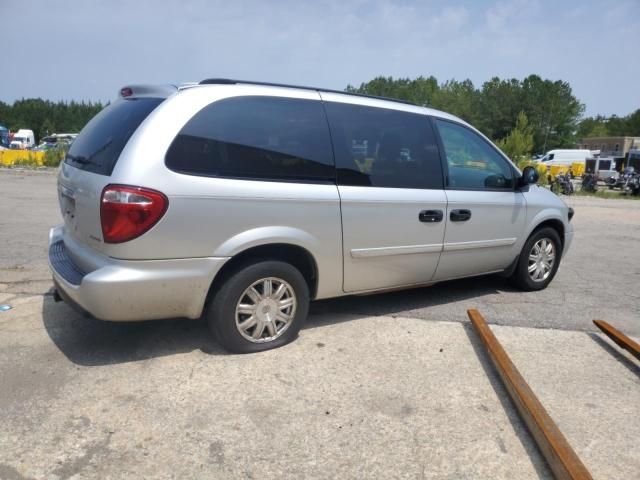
(539, 260)
(258, 307)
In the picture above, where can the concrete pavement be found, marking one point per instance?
(353, 397)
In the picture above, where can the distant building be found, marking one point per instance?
(616, 147)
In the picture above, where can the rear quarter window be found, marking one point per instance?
(253, 137)
(378, 147)
(101, 141)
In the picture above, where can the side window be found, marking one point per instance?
(472, 162)
(379, 147)
(269, 138)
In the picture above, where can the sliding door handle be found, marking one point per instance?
(460, 215)
(431, 216)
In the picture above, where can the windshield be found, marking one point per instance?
(99, 144)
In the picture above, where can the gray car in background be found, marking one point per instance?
(243, 201)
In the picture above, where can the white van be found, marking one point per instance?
(565, 157)
(23, 139)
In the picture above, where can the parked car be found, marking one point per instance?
(57, 141)
(241, 202)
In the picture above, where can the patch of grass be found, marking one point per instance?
(53, 157)
(610, 194)
(28, 161)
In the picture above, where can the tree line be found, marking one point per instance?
(546, 109)
(45, 117)
(613, 126)
(552, 113)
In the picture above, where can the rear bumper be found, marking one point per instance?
(121, 290)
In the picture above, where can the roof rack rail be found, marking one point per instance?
(229, 81)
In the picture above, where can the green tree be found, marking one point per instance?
(633, 124)
(459, 98)
(592, 127)
(47, 127)
(552, 110)
(518, 143)
(615, 126)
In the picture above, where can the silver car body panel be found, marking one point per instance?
(489, 240)
(361, 239)
(543, 206)
(122, 290)
(384, 243)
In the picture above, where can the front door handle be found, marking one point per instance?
(460, 215)
(430, 216)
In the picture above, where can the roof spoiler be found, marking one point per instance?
(156, 91)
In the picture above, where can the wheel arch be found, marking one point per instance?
(554, 223)
(547, 218)
(296, 255)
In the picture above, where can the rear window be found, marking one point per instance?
(99, 144)
(258, 138)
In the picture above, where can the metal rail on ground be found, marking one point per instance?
(619, 338)
(563, 461)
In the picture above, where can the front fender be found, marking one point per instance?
(544, 216)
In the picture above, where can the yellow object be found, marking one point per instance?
(555, 170)
(21, 157)
(577, 168)
(542, 169)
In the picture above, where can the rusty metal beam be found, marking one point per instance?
(619, 338)
(563, 461)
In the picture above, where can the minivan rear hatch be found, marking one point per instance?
(88, 165)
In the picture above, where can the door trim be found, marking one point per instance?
(498, 242)
(400, 250)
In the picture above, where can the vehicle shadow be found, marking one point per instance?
(625, 361)
(90, 342)
(405, 301)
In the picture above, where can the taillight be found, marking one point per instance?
(127, 212)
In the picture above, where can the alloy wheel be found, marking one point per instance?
(265, 310)
(542, 257)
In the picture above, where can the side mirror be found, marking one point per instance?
(495, 181)
(529, 176)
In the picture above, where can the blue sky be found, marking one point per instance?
(75, 49)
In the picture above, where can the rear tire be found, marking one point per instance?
(260, 306)
(538, 262)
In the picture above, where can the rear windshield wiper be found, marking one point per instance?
(83, 160)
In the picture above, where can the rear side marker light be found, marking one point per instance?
(126, 212)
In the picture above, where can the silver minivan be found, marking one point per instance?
(242, 201)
